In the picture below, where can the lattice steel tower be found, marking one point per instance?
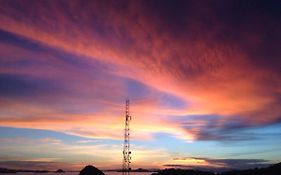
(126, 147)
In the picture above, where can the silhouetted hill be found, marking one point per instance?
(59, 171)
(90, 170)
(276, 166)
(272, 170)
(140, 170)
(181, 172)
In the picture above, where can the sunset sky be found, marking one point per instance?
(202, 76)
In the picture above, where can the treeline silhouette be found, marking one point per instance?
(272, 170)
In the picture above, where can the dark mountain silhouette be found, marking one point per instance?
(272, 170)
(90, 170)
(181, 172)
(59, 171)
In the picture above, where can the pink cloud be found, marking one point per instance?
(213, 76)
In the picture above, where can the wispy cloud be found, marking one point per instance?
(68, 66)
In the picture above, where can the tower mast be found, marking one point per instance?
(126, 146)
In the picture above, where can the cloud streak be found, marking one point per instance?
(218, 164)
(196, 71)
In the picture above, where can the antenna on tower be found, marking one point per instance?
(126, 147)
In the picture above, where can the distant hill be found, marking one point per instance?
(271, 170)
(181, 172)
(59, 171)
(6, 170)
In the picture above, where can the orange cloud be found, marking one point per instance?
(213, 77)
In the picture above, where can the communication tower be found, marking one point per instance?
(126, 147)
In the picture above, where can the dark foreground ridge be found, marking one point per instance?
(90, 170)
(59, 171)
(181, 172)
(272, 170)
